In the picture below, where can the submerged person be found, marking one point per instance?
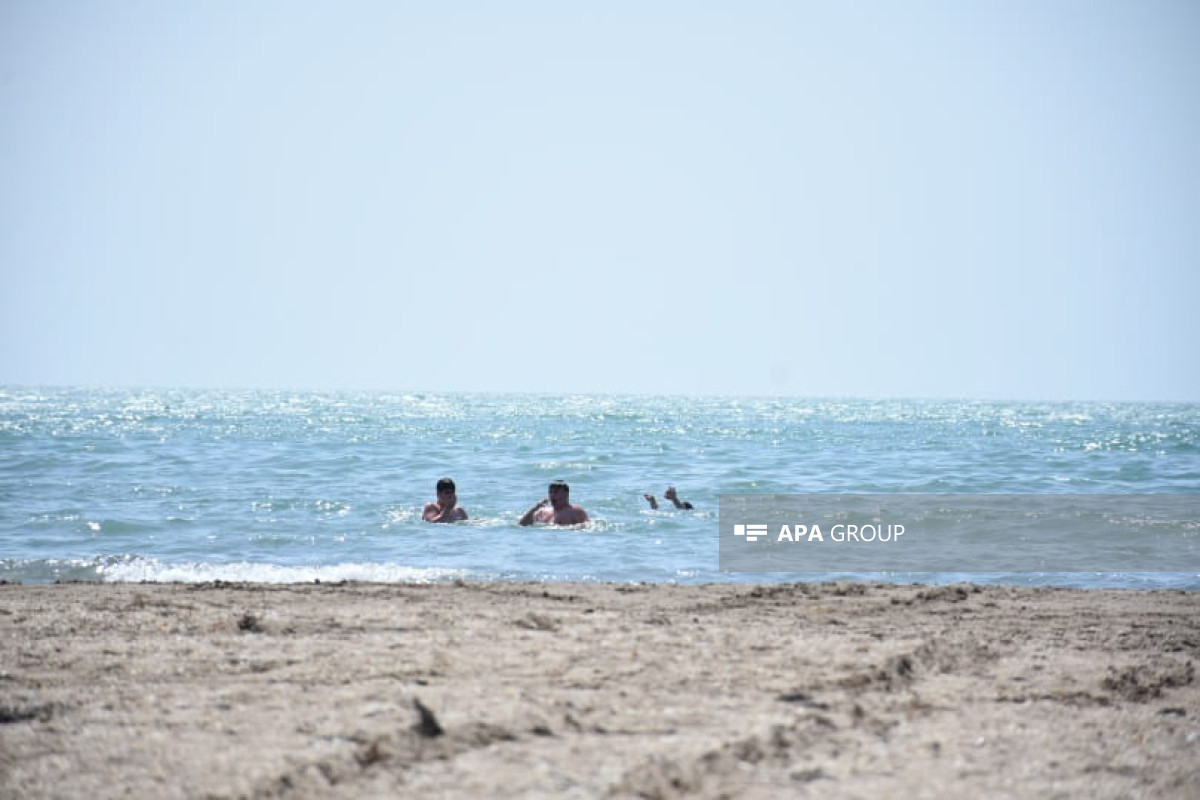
(673, 496)
(560, 512)
(445, 508)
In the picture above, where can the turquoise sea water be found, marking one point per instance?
(127, 485)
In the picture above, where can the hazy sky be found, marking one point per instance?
(960, 199)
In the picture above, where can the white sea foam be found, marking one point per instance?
(150, 570)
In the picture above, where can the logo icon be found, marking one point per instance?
(751, 532)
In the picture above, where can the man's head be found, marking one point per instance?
(560, 494)
(446, 492)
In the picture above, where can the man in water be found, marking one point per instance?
(560, 512)
(445, 508)
(671, 495)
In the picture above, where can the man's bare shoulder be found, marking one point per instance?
(573, 515)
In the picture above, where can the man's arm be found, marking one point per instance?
(435, 513)
(528, 519)
(673, 496)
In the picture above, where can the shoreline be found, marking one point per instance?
(365, 575)
(470, 689)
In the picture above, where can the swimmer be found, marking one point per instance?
(673, 496)
(445, 508)
(560, 512)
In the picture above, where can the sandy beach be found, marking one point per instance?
(588, 691)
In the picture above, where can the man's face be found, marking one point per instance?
(447, 498)
(559, 496)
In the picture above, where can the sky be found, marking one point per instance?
(992, 200)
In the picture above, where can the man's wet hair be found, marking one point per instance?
(445, 484)
(560, 484)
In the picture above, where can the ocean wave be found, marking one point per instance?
(139, 569)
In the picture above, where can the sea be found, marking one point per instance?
(175, 485)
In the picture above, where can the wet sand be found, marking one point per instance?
(591, 691)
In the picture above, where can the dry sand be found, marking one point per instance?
(568, 690)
